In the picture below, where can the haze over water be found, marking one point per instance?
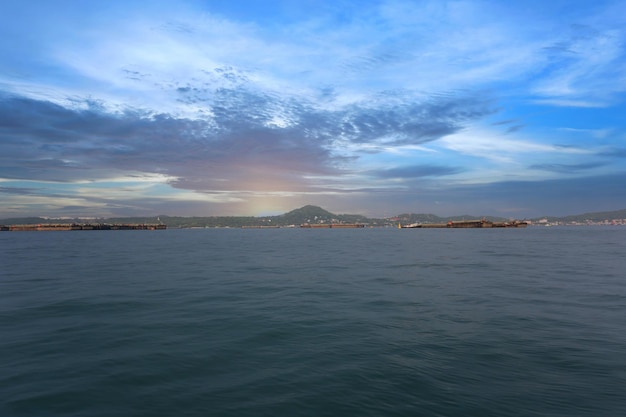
(349, 322)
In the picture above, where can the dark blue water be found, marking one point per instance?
(331, 322)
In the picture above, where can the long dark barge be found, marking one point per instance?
(46, 227)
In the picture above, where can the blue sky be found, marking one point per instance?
(125, 108)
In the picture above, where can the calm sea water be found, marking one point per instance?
(332, 322)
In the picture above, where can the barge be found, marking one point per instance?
(332, 226)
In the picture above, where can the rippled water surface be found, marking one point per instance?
(328, 322)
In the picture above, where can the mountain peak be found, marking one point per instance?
(310, 211)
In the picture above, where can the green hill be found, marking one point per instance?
(306, 214)
(315, 214)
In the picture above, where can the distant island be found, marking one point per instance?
(314, 215)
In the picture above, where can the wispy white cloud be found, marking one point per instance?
(480, 142)
(584, 70)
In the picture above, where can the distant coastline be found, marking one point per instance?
(308, 215)
(46, 227)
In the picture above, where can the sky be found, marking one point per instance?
(212, 108)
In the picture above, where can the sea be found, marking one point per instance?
(314, 322)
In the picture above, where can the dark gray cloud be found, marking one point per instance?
(20, 190)
(408, 123)
(567, 168)
(417, 171)
(505, 122)
(134, 75)
(513, 127)
(614, 153)
(239, 143)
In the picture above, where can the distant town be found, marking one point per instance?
(307, 216)
(546, 222)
